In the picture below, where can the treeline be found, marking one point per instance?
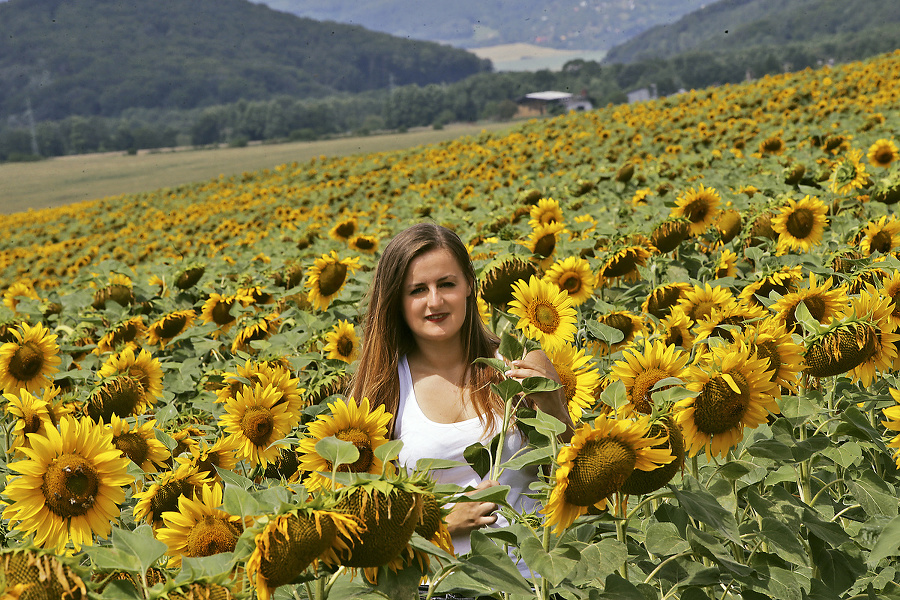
(482, 96)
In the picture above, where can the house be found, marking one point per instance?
(541, 103)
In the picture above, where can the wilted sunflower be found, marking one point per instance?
(579, 377)
(823, 303)
(287, 544)
(573, 275)
(800, 224)
(883, 153)
(16, 291)
(623, 264)
(875, 309)
(70, 487)
(342, 342)
(498, 279)
(881, 236)
(198, 527)
(849, 173)
(128, 333)
(640, 371)
(600, 458)
(367, 244)
(675, 330)
(734, 391)
(358, 424)
(255, 329)
(34, 575)
(700, 207)
(770, 339)
(170, 326)
(143, 367)
(660, 301)
(546, 211)
(163, 494)
(545, 312)
(344, 229)
(28, 361)
(784, 281)
(726, 266)
(700, 301)
(326, 278)
(257, 419)
(205, 458)
(139, 443)
(32, 415)
(543, 238)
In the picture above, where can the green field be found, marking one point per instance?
(59, 181)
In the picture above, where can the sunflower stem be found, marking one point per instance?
(507, 413)
(321, 594)
(804, 483)
(621, 531)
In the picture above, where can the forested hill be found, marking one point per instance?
(743, 24)
(99, 57)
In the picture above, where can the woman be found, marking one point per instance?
(423, 333)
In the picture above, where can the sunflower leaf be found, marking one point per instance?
(553, 565)
(388, 451)
(337, 452)
(510, 347)
(238, 501)
(615, 395)
(496, 363)
(805, 318)
(435, 464)
(141, 544)
(533, 385)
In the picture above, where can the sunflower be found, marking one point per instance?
(545, 312)
(143, 367)
(782, 281)
(669, 234)
(32, 415)
(363, 427)
(257, 419)
(640, 196)
(772, 145)
(881, 236)
(700, 207)
(573, 275)
(891, 289)
(70, 487)
(170, 326)
(546, 211)
(726, 266)
(205, 458)
(367, 244)
(675, 330)
(128, 333)
(579, 377)
(139, 444)
(883, 153)
(342, 342)
(699, 302)
(28, 361)
(189, 276)
(498, 279)
(274, 373)
(734, 391)
(163, 494)
(716, 323)
(728, 224)
(543, 238)
(849, 174)
(199, 527)
(16, 291)
(875, 309)
(640, 371)
(630, 324)
(660, 301)
(800, 224)
(892, 414)
(595, 465)
(344, 229)
(623, 264)
(259, 328)
(217, 309)
(770, 339)
(326, 278)
(823, 303)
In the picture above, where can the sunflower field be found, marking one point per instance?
(714, 275)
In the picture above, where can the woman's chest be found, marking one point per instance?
(442, 401)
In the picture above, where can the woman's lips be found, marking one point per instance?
(436, 318)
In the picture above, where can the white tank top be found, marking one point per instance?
(424, 438)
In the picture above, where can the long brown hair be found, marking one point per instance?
(388, 337)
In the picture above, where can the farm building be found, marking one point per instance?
(541, 103)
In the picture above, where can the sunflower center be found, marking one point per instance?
(800, 223)
(166, 497)
(208, 465)
(696, 210)
(332, 278)
(363, 443)
(345, 229)
(545, 245)
(26, 363)
(600, 468)
(569, 380)
(883, 157)
(364, 243)
(257, 425)
(895, 304)
(31, 421)
(570, 282)
(816, 306)
(719, 407)
(640, 389)
(661, 300)
(70, 486)
(345, 346)
(770, 350)
(119, 397)
(881, 242)
(134, 446)
(124, 333)
(171, 326)
(702, 309)
(546, 318)
(211, 535)
(221, 312)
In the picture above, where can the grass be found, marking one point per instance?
(59, 181)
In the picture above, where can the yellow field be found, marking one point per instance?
(63, 180)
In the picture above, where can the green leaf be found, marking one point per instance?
(837, 570)
(538, 456)
(403, 584)
(888, 543)
(205, 566)
(703, 506)
(782, 584)
(490, 565)
(532, 385)
(496, 494)
(510, 347)
(554, 565)
(615, 395)
(772, 449)
(388, 451)
(238, 501)
(873, 494)
(229, 476)
(337, 452)
(663, 539)
(735, 469)
(497, 364)
(845, 455)
(798, 407)
(808, 448)
(604, 333)
(141, 544)
(784, 539)
(545, 424)
(805, 318)
(617, 588)
(435, 464)
(507, 389)
(598, 561)
(479, 458)
(707, 545)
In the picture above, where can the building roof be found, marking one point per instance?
(549, 96)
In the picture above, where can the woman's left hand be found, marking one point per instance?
(537, 364)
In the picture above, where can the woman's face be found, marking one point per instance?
(434, 295)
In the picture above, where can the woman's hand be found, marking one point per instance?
(537, 364)
(466, 516)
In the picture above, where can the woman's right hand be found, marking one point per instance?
(466, 516)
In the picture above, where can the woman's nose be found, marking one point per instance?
(434, 298)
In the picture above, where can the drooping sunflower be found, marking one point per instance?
(367, 244)
(726, 265)
(128, 333)
(326, 278)
(849, 173)
(545, 312)
(120, 395)
(18, 290)
(645, 482)
(675, 329)
(772, 145)
(344, 229)
(257, 419)
(640, 371)
(205, 458)
(599, 459)
(622, 263)
(735, 391)
(169, 326)
(883, 153)
(700, 207)
(342, 342)
(729, 224)
(574, 275)
(579, 377)
(823, 303)
(784, 281)
(28, 361)
(199, 527)
(543, 238)
(498, 279)
(669, 234)
(254, 329)
(139, 443)
(700, 301)
(546, 211)
(162, 495)
(70, 487)
(143, 367)
(188, 276)
(800, 224)
(875, 309)
(351, 422)
(881, 236)
(769, 339)
(660, 301)
(32, 415)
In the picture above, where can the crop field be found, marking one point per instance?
(714, 276)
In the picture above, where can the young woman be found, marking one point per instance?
(423, 333)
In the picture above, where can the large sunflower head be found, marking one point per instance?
(139, 443)
(574, 275)
(545, 312)
(498, 279)
(70, 486)
(34, 575)
(700, 207)
(326, 278)
(769, 338)
(640, 371)
(142, 367)
(29, 360)
(17, 291)
(601, 456)
(800, 224)
(579, 377)
(722, 323)
(669, 234)
(699, 302)
(217, 309)
(881, 236)
(358, 424)
(823, 303)
(170, 326)
(342, 343)
(546, 211)
(31, 414)
(874, 309)
(258, 419)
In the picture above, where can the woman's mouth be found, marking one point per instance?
(436, 318)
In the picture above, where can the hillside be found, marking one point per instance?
(741, 24)
(99, 57)
(564, 24)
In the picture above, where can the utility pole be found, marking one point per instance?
(30, 115)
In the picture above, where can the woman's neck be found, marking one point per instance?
(440, 356)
